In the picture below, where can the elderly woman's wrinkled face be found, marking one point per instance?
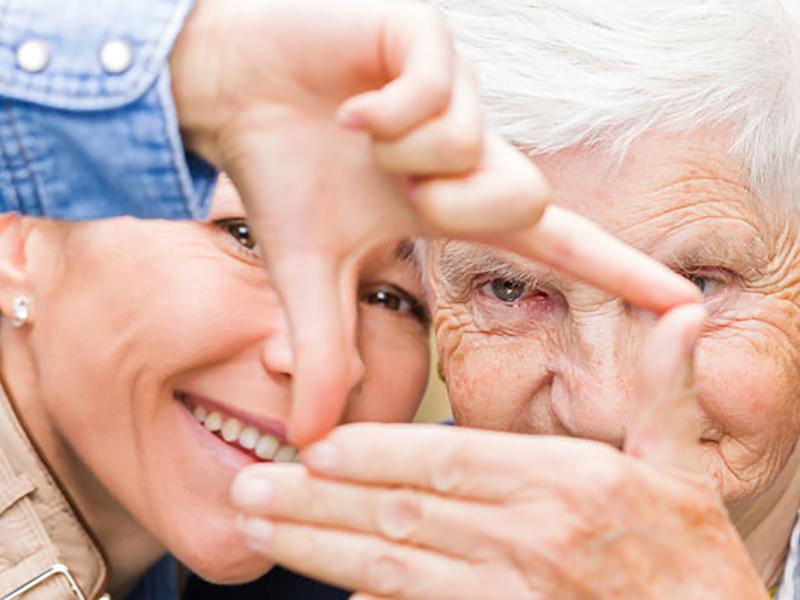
(165, 364)
(524, 349)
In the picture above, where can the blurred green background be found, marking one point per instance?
(434, 407)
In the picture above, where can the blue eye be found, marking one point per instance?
(706, 285)
(506, 290)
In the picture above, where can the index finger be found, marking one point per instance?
(573, 245)
(464, 463)
(322, 324)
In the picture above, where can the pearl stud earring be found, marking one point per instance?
(21, 311)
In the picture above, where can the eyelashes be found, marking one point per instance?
(238, 230)
(461, 286)
(395, 299)
(389, 297)
(508, 287)
(711, 281)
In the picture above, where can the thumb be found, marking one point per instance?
(665, 424)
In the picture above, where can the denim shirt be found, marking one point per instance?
(80, 139)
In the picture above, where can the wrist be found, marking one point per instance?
(194, 69)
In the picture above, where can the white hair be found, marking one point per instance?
(560, 73)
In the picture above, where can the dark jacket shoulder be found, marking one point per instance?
(278, 584)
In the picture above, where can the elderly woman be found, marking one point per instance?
(676, 125)
(145, 362)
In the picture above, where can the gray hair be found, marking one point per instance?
(561, 73)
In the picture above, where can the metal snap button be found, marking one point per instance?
(33, 55)
(116, 56)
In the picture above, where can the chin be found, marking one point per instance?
(233, 573)
(222, 558)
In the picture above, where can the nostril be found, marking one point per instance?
(277, 356)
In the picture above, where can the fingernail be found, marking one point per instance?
(250, 490)
(256, 532)
(322, 457)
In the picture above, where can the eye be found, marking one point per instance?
(707, 285)
(506, 290)
(240, 231)
(395, 299)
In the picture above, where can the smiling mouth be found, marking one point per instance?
(243, 436)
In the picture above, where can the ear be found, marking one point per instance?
(13, 259)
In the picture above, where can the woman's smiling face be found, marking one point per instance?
(140, 324)
(525, 349)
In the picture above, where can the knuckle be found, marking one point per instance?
(529, 206)
(436, 85)
(527, 555)
(449, 469)
(463, 147)
(316, 504)
(437, 207)
(399, 514)
(386, 574)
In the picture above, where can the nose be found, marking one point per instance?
(592, 389)
(319, 402)
(276, 354)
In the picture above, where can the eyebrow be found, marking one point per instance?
(747, 256)
(406, 251)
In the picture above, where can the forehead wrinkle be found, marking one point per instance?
(780, 276)
(709, 204)
(686, 200)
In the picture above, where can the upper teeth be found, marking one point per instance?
(264, 445)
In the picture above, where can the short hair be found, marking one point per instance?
(561, 73)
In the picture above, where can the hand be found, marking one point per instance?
(433, 512)
(266, 90)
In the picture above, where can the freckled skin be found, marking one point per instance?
(563, 364)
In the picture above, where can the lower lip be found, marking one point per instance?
(228, 454)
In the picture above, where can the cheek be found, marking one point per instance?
(145, 300)
(113, 339)
(748, 395)
(745, 390)
(396, 358)
(493, 381)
